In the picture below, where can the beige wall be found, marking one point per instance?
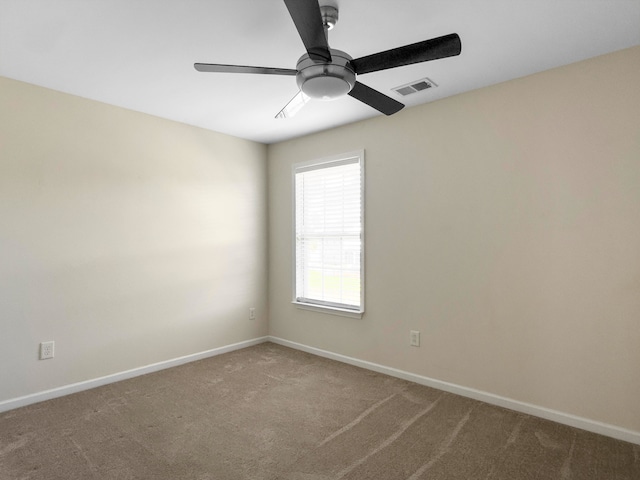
(126, 239)
(504, 224)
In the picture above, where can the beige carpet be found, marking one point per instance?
(269, 412)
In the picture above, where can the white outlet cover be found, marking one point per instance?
(46, 350)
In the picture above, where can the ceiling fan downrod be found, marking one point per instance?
(329, 16)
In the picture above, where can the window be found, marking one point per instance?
(329, 213)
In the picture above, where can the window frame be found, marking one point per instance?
(324, 163)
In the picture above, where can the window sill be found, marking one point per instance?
(330, 310)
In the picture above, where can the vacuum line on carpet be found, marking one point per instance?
(514, 433)
(443, 449)
(513, 436)
(391, 439)
(565, 471)
(358, 419)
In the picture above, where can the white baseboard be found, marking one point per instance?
(553, 415)
(548, 414)
(116, 377)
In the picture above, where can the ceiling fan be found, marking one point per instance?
(326, 73)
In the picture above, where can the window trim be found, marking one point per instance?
(333, 160)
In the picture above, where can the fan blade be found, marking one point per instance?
(217, 67)
(308, 20)
(375, 99)
(294, 106)
(440, 47)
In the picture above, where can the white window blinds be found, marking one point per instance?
(328, 234)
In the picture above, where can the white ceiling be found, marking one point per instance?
(139, 54)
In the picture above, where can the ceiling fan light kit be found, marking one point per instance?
(326, 81)
(326, 73)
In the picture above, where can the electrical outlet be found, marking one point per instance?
(46, 350)
(414, 338)
(252, 313)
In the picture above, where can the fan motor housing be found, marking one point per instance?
(326, 81)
